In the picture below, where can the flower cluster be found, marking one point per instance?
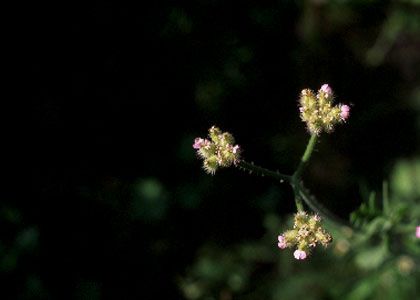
(318, 111)
(307, 232)
(418, 232)
(219, 151)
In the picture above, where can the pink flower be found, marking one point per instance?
(282, 242)
(235, 149)
(317, 218)
(418, 232)
(345, 112)
(198, 143)
(299, 254)
(327, 90)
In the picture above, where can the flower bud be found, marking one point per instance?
(282, 242)
(198, 143)
(210, 165)
(299, 254)
(344, 112)
(214, 134)
(290, 235)
(326, 90)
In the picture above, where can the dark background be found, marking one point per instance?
(120, 202)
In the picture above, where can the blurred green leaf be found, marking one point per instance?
(405, 179)
(364, 289)
(371, 258)
(149, 200)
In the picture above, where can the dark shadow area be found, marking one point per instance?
(120, 203)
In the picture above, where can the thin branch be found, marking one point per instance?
(263, 171)
(305, 157)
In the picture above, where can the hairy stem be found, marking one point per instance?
(263, 171)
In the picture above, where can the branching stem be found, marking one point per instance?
(302, 195)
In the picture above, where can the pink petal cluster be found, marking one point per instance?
(327, 90)
(316, 218)
(418, 232)
(235, 149)
(282, 242)
(345, 112)
(299, 254)
(200, 143)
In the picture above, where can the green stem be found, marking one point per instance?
(298, 197)
(263, 172)
(295, 182)
(385, 197)
(305, 157)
